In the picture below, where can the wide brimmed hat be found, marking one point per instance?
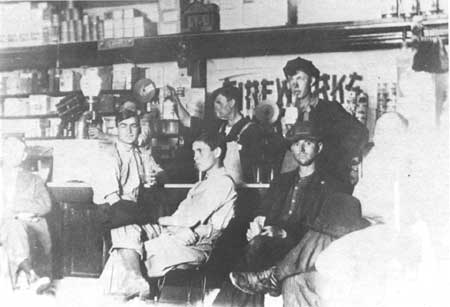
(339, 215)
(303, 130)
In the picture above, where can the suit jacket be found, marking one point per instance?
(315, 193)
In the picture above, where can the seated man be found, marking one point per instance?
(293, 200)
(295, 275)
(25, 202)
(187, 236)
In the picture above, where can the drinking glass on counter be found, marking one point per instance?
(151, 169)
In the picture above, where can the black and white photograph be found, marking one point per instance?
(224, 153)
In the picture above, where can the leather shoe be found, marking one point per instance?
(136, 286)
(256, 282)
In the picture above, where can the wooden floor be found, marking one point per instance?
(85, 292)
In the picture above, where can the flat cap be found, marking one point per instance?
(299, 63)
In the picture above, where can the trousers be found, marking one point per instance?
(16, 235)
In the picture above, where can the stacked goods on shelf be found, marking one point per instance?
(239, 14)
(78, 27)
(169, 17)
(69, 80)
(34, 105)
(33, 23)
(123, 23)
(25, 24)
(409, 8)
(30, 106)
(32, 128)
(23, 81)
(126, 75)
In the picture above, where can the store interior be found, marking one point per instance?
(69, 65)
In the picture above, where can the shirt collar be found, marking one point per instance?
(215, 172)
(123, 147)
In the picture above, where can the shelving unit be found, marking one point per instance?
(30, 116)
(323, 37)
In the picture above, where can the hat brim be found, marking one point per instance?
(292, 140)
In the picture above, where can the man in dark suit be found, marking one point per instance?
(293, 199)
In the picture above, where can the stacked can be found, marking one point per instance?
(75, 27)
(71, 26)
(54, 29)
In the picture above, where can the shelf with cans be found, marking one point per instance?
(336, 36)
(59, 23)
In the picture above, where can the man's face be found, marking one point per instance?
(223, 107)
(305, 151)
(128, 130)
(300, 84)
(204, 157)
(13, 152)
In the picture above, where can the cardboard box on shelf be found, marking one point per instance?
(169, 17)
(13, 83)
(69, 80)
(131, 13)
(66, 80)
(118, 28)
(128, 27)
(108, 28)
(125, 75)
(38, 104)
(239, 14)
(53, 101)
(15, 107)
(117, 14)
(144, 27)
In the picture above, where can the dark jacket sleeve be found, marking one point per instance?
(122, 213)
(353, 135)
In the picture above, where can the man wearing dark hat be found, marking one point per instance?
(343, 135)
(295, 276)
(293, 200)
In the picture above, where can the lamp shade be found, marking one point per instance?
(91, 83)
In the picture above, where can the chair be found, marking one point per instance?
(194, 272)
